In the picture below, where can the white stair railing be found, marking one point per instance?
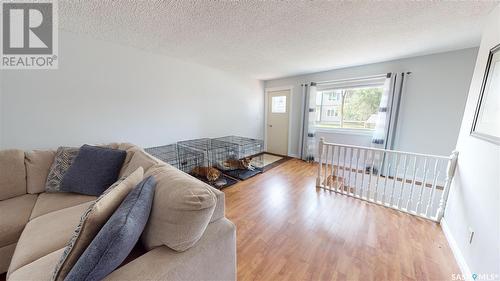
(414, 183)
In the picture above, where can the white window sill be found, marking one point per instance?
(358, 132)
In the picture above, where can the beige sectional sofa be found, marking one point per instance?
(187, 236)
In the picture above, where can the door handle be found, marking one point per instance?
(270, 126)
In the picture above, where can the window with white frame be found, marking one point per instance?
(349, 108)
(332, 112)
(278, 104)
(332, 96)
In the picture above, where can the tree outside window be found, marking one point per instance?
(351, 108)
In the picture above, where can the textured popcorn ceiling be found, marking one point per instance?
(269, 39)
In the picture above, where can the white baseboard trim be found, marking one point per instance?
(467, 274)
(293, 155)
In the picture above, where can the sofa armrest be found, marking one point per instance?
(219, 211)
(13, 173)
(212, 258)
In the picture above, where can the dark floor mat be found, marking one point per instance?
(243, 174)
(223, 182)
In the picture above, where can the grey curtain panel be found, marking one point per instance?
(382, 125)
(308, 150)
(387, 117)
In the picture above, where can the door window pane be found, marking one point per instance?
(278, 104)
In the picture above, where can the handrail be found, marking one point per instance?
(404, 175)
(388, 150)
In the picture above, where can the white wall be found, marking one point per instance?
(104, 92)
(474, 199)
(431, 108)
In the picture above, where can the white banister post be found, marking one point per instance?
(320, 161)
(450, 172)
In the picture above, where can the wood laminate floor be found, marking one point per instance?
(287, 229)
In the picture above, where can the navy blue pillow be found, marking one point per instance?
(94, 170)
(117, 237)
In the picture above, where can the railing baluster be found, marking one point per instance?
(450, 172)
(337, 178)
(350, 171)
(371, 176)
(340, 166)
(433, 189)
(330, 164)
(344, 164)
(363, 173)
(358, 152)
(423, 186)
(320, 161)
(415, 171)
(387, 174)
(403, 182)
(335, 168)
(379, 170)
(326, 150)
(394, 179)
(332, 169)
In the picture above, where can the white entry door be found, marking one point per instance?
(278, 115)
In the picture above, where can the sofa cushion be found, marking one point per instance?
(130, 149)
(38, 163)
(49, 202)
(92, 221)
(13, 179)
(117, 237)
(212, 258)
(62, 161)
(6, 253)
(38, 270)
(46, 234)
(15, 213)
(139, 158)
(181, 211)
(94, 170)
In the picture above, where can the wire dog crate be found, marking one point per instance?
(166, 153)
(246, 146)
(189, 159)
(184, 159)
(215, 154)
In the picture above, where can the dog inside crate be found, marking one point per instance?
(239, 163)
(213, 157)
(244, 149)
(219, 161)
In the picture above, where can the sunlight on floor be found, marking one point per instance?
(264, 159)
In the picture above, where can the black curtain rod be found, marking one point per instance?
(340, 80)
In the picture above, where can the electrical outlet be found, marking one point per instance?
(471, 235)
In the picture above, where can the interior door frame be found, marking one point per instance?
(290, 111)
